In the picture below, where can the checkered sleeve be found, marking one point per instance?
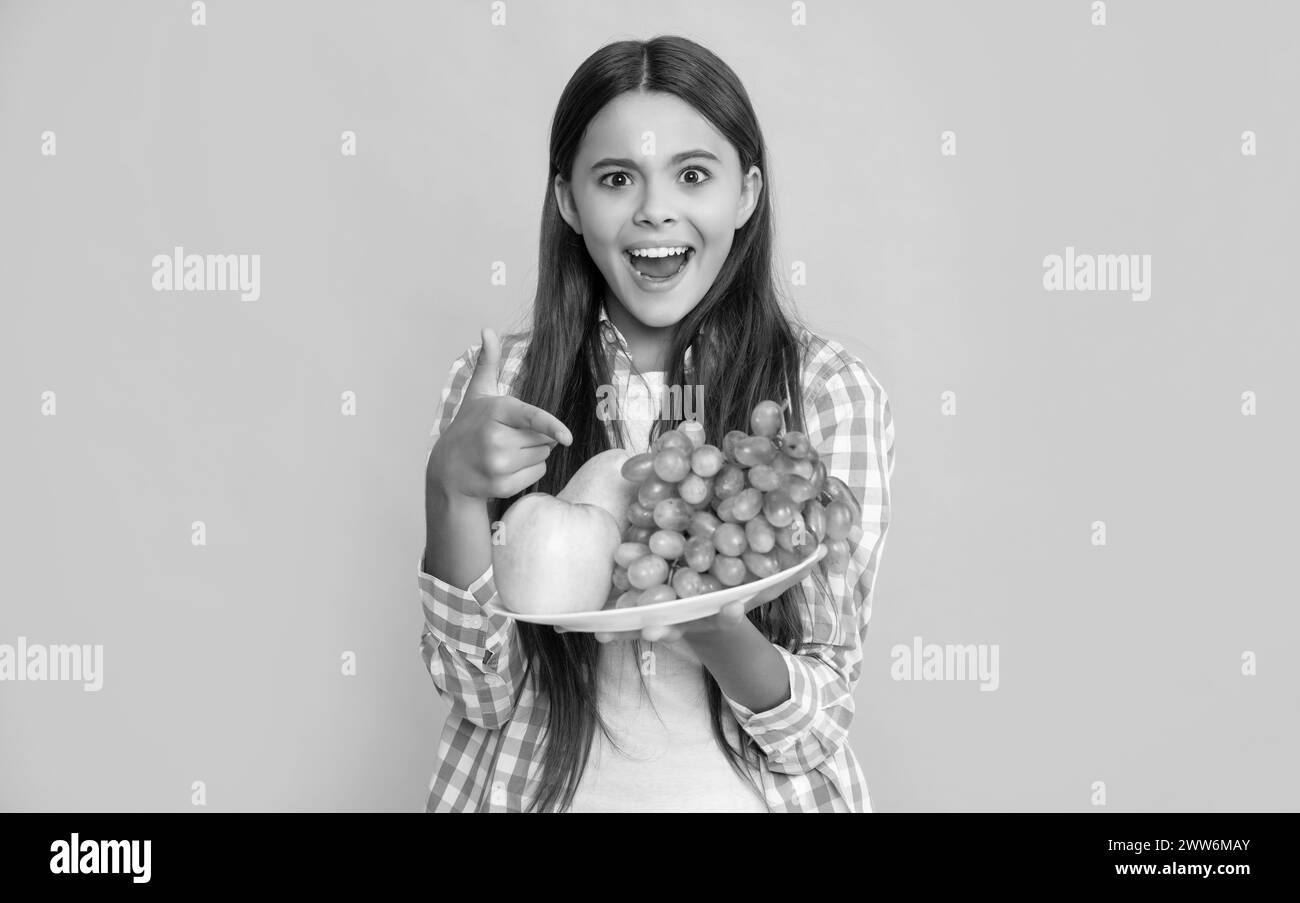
(468, 652)
(850, 423)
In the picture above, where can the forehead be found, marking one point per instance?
(620, 128)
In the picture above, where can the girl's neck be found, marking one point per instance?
(648, 345)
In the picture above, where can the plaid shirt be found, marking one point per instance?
(490, 749)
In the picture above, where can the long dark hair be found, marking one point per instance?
(752, 354)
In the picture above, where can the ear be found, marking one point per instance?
(564, 200)
(751, 188)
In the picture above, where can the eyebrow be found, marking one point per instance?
(677, 158)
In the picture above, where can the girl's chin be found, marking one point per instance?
(659, 313)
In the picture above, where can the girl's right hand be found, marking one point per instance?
(497, 445)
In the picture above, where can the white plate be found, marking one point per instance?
(675, 611)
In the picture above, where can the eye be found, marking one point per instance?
(699, 169)
(611, 175)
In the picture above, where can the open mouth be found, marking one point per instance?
(655, 265)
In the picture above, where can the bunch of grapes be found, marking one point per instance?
(706, 518)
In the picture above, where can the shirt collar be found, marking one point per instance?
(614, 337)
(609, 331)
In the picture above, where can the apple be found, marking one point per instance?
(554, 556)
(600, 482)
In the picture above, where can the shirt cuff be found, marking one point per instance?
(457, 618)
(778, 729)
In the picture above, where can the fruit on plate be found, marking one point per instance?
(703, 517)
(554, 556)
(600, 482)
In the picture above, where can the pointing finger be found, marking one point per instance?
(533, 439)
(484, 379)
(524, 416)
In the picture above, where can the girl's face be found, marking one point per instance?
(651, 171)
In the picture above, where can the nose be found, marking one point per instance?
(656, 203)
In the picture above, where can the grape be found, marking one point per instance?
(709, 584)
(729, 481)
(654, 490)
(628, 552)
(672, 465)
(729, 571)
(814, 516)
(837, 556)
(727, 510)
(761, 565)
(766, 419)
(782, 465)
(802, 467)
(673, 514)
(646, 572)
(699, 553)
(785, 558)
(759, 534)
(667, 544)
(641, 515)
(686, 582)
(729, 539)
(693, 430)
(637, 534)
(638, 467)
(673, 439)
(703, 523)
(807, 547)
(755, 450)
(785, 537)
(795, 536)
(708, 517)
(798, 488)
(839, 520)
(695, 489)
(778, 508)
(629, 599)
(729, 443)
(818, 478)
(707, 460)
(747, 504)
(839, 491)
(795, 444)
(799, 534)
(660, 592)
(763, 477)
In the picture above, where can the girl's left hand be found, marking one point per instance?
(729, 617)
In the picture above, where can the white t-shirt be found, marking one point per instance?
(669, 759)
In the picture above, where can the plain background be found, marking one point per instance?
(1118, 663)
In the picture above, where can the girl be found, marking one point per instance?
(654, 144)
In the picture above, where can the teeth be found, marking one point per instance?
(657, 252)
